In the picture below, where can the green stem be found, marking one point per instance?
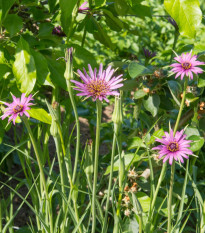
(176, 36)
(41, 170)
(110, 182)
(60, 162)
(161, 177)
(72, 99)
(182, 197)
(97, 144)
(173, 164)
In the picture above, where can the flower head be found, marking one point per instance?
(98, 85)
(173, 22)
(83, 9)
(17, 107)
(148, 54)
(174, 147)
(132, 174)
(127, 212)
(187, 64)
(58, 31)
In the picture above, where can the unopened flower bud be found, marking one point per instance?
(117, 116)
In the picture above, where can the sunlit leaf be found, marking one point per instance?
(187, 15)
(24, 67)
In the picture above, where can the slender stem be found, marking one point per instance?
(182, 197)
(36, 150)
(170, 198)
(181, 106)
(151, 175)
(173, 164)
(176, 36)
(97, 144)
(110, 182)
(72, 99)
(163, 171)
(83, 39)
(60, 162)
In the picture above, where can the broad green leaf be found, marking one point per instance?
(40, 114)
(13, 24)
(201, 80)
(45, 30)
(191, 97)
(99, 3)
(186, 13)
(130, 225)
(2, 57)
(24, 68)
(67, 7)
(136, 70)
(144, 201)
(127, 159)
(6, 6)
(197, 143)
(122, 7)
(5, 71)
(141, 10)
(129, 85)
(113, 22)
(139, 94)
(175, 89)
(42, 71)
(83, 57)
(135, 142)
(190, 131)
(52, 4)
(102, 35)
(151, 104)
(157, 134)
(57, 73)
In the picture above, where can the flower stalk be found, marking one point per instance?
(68, 76)
(42, 177)
(173, 164)
(117, 119)
(97, 145)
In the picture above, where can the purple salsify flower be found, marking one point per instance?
(17, 107)
(174, 147)
(187, 64)
(83, 9)
(58, 31)
(98, 85)
(148, 54)
(173, 22)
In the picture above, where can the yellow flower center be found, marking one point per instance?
(186, 65)
(18, 108)
(97, 87)
(173, 146)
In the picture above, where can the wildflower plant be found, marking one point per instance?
(113, 143)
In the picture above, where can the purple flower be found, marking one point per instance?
(148, 54)
(173, 22)
(58, 31)
(98, 85)
(17, 107)
(174, 147)
(83, 9)
(187, 64)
